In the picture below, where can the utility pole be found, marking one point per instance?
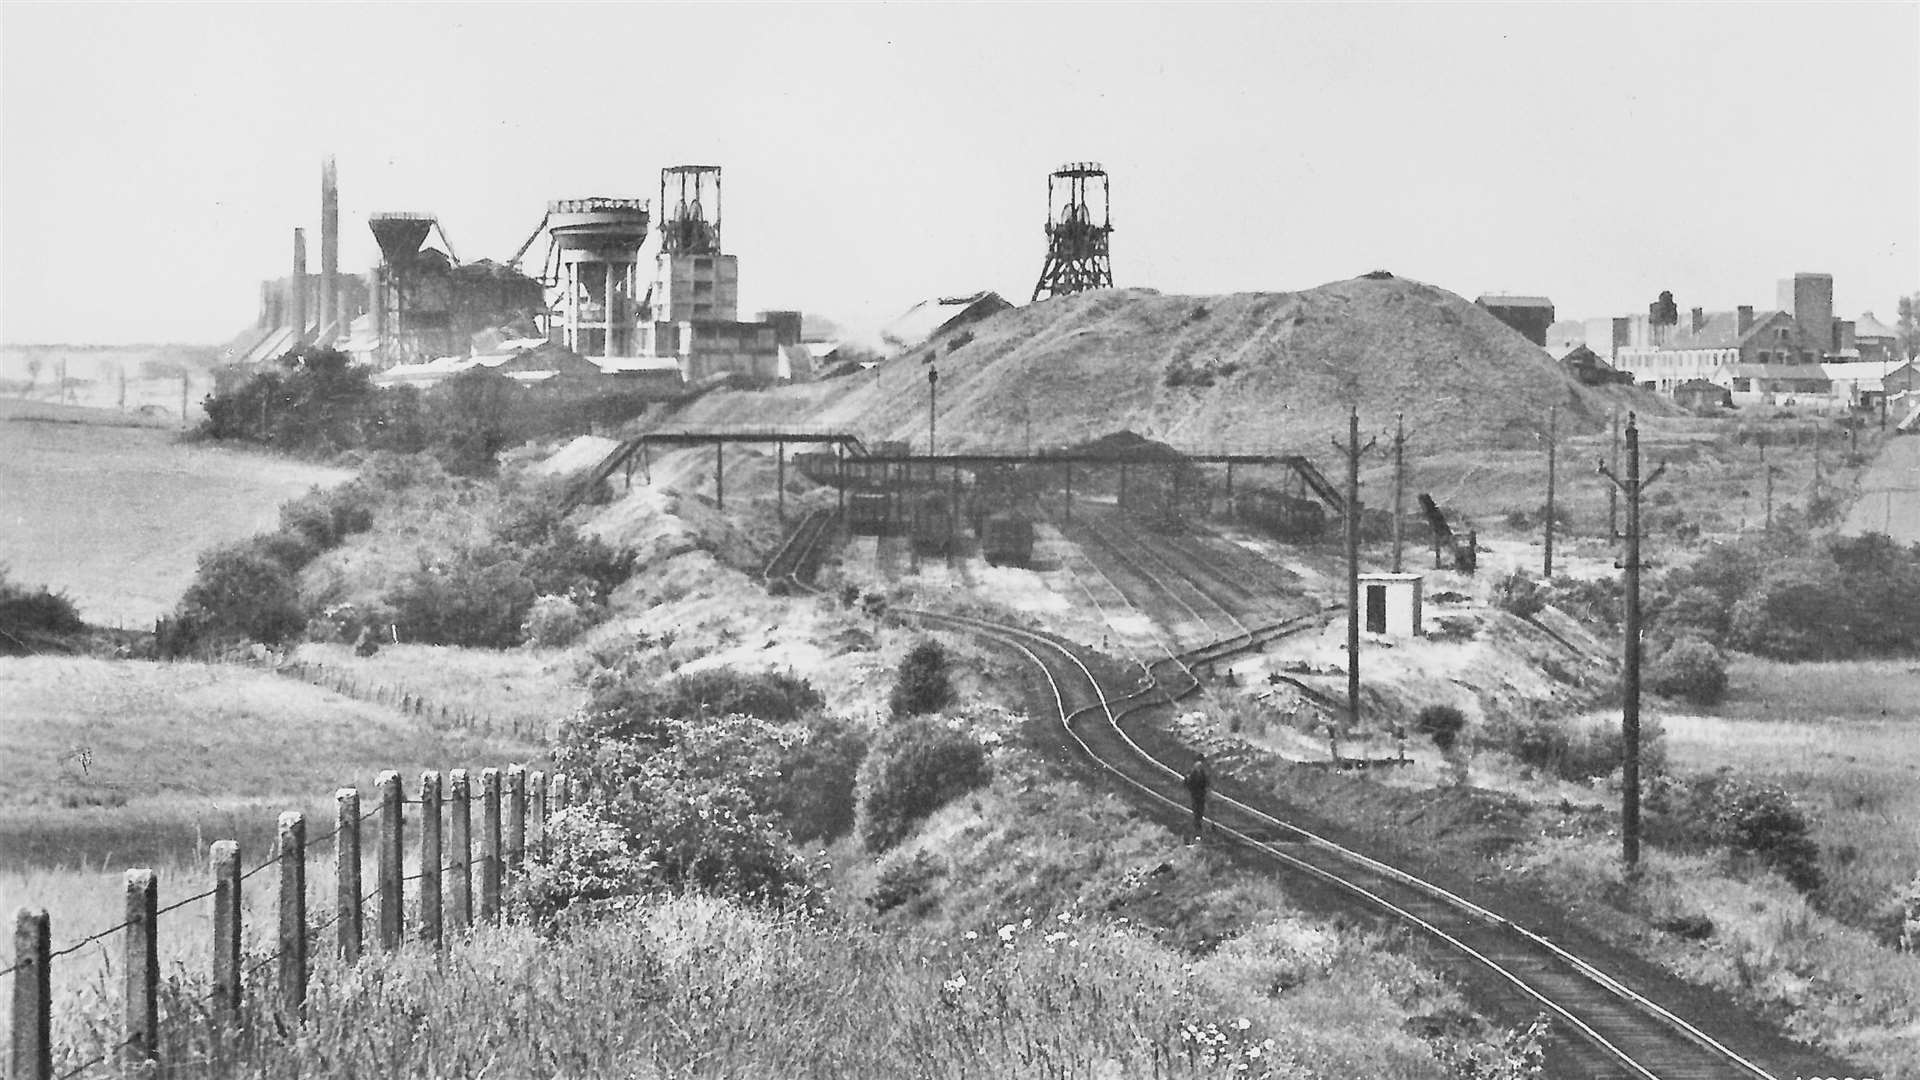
(1553, 417)
(1353, 450)
(1613, 493)
(1630, 706)
(1767, 472)
(1399, 482)
(933, 402)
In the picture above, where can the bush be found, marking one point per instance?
(922, 685)
(1800, 610)
(240, 592)
(554, 621)
(816, 796)
(1572, 751)
(478, 597)
(1442, 724)
(1763, 821)
(1695, 612)
(585, 858)
(28, 614)
(913, 769)
(1690, 669)
(291, 550)
(1519, 595)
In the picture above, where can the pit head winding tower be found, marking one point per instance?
(1079, 227)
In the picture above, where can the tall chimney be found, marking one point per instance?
(1746, 318)
(297, 288)
(329, 247)
(1699, 319)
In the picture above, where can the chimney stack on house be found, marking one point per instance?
(1746, 318)
(1699, 319)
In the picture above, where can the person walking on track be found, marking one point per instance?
(1197, 781)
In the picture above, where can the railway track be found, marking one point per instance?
(1604, 1028)
(793, 563)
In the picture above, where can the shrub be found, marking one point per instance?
(1762, 820)
(1573, 751)
(1800, 610)
(913, 769)
(922, 685)
(26, 614)
(240, 592)
(905, 881)
(1519, 595)
(478, 597)
(290, 549)
(584, 858)
(816, 794)
(554, 621)
(1442, 724)
(1690, 669)
(1695, 612)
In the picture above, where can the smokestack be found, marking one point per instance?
(1746, 318)
(329, 244)
(1699, 319)
(297, 288)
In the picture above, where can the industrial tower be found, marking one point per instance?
(598, 245)
(1078, 253)
(695, 281)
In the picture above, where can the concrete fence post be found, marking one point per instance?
(516, 839)
(430, 857)
(460, 849)
(142, 967)
(391, 884)
(348, 928)
(226, 933)
(489, 845)
(560, 792)
(537, 812)
(292, 857)
(32, 1057)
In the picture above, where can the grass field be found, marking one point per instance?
(1844, 737)
(118, 516)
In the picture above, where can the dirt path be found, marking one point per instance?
(1889, 499)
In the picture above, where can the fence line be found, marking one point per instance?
(503, 844)
(406, 700)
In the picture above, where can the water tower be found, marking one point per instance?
(597, 242)
(1078, 256)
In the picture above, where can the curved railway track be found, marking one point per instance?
(1605, 1029)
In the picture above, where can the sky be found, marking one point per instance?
(154, 159)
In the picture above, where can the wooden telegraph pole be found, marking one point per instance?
(1353, 450)
(1613, 493)
(1632, 486)
(1399, 482)
(933, 403)
(1553, 418)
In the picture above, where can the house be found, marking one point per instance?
(1530, 315)
(1904, 379)
(1700, 395)
(929, 320)
(1876, 342)
(1587, 366)
(1857, 383)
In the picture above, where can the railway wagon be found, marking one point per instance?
(934, 525)
(1007, 539)
(870, 513)
(1287, 517)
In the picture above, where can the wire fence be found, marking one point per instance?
(409, 701)
(506, 813)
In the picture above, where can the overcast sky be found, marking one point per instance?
(154, 159)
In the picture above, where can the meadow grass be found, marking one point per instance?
(118, 516)
(702, 987)
(1844, 738)
(527, 688)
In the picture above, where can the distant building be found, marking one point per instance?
(1765, 357)
(1530, 315)
(1587, 366)
(1699, 395)
(1876, 342)
(931, 319)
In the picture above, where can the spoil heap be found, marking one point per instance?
(1271, 370)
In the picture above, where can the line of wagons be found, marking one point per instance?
(939, 524)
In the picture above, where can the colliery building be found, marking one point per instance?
(420, 315)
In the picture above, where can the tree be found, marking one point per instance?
(243, 592)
